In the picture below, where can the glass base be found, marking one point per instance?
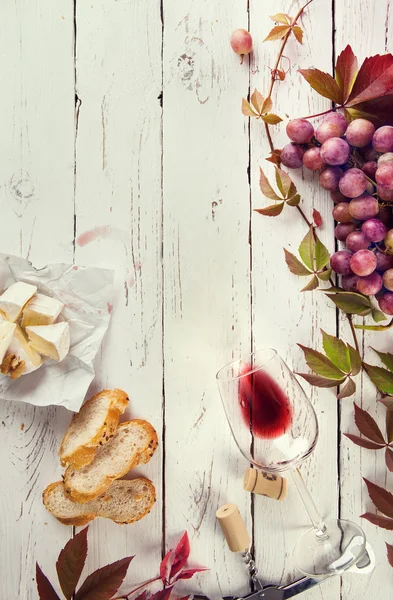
(338, 549)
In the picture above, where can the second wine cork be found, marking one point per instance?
(233, 528)
(265, 484)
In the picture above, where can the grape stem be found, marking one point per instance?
(325, 112)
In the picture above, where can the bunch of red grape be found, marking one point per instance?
(355, 161)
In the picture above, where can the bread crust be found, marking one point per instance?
(89, 516)
(138, 459)
(84, 454)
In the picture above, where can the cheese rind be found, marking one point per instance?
(13, 300)
(41, 310)
(50, 340)
(21, 347)
(6, 333)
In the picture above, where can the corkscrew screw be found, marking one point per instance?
(239, 541)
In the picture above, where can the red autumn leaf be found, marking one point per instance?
(317, 217)
(274, 157)
(367, 426)
(389, 548)
(271, 211)
(166, 566)
(104, 583)
(379, 521)
(362, 442)
(323, 83)
(182, 552)
(382, 499)
(70, 563)
(162, 594)
(44, 586)
(142, 596)
(379, 110)
(346, 71)
(188, 573)
(389, 426)
(389, 459)
(374, 80)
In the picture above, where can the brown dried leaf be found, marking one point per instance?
(271, 119)
(367, 426)
(280, 18)
(247, 109)
(348, 390)
(257, 100)
(274, 157)
(298, 33)
(267, 106)
(271, 211)
(379, 521)
(277, 33)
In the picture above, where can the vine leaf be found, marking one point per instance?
(317, 217)
(347, 390)
(351, 302)
(322, 382)
(294, 265)
(323, 83)
(307, 249)
(181, 554)
(386, 358)
(356, 360)
(325, 275)
(321, 364)
(374, 80)
(294, 201)
(381, 378)
(389, 459)
(346, 72)
(387, 401)
(379, 521)
(389, 426)
(378, 315)
(312, 285)
(285, 183)
(356, 439)
(266, 188)
(44, 586)
(274, 157)
(280, 18)
(322, 255)
(277, 33)
(382, 499)
(247, 109)
(367, 426)
(70, 563)
(298, 33)
(336, 351)
(389, 549)
(271, 211)
(375, 327)
(104, 582)
(271, 119)
(286, 188)
(260, 108)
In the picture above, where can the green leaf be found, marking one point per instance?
(294, 200)
(266, 188)
(347, 390)
(284, 182)
(271, 119)
(321, 364)
(322, 382)
(104, 583)
(323, 83)
(294, 265)
(378, 315)
(368, 426)
(375, 327)
(381, 378)
(271, 211)
(386, 358)
(356, 360)
(70, 563)
(325, 275)
(337, 351)
(351, 303)
(307, 249)
(312, 285)
(44, 586)
(322, 255)
(387, 401)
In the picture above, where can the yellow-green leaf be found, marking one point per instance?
(247, 109)
(322, 255)
(285, 182)
(375, 327)
(322, 382)
(280, 18)
(298, 33)
(356, 360)
(351, 303)
(325, 275)
(386, 358)
(271, 211)
(337, 351)
(271, 119)
(381, 378)
(321, 364)
(277, 33)
(307, 249)
(312, 285)
(294, 265)
(323, 83)
(266, 188)
(294, 200)
(378, 315)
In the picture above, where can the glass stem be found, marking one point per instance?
(315, 517)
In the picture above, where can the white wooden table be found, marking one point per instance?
(126, 114)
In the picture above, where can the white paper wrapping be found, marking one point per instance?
(87, 295)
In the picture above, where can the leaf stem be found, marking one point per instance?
(140, 587)
(355, 339)
(325, 112)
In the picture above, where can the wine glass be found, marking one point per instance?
(275, 428)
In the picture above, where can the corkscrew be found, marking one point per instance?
(239, 541)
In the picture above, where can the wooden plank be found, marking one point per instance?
(282, 315)
(367, 32)
(206, 276)
(118, 202)
(36, 195)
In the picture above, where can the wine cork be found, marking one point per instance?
(233, 528)
(265, 484)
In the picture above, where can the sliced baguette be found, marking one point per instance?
(125, 502)
(92, 427)
(133, 444)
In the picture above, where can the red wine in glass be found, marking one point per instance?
(265, 407)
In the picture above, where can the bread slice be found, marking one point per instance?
(125, 502)
(133, 444)
(92, 427)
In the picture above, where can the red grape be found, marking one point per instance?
(383, 139)
(357, 240)
(369, 168)
(389, 241)
(292, 156)
(386, 303)
(370, 285)
(384, 193)
(340, 262)
(341, 213)
(360, 133)
(342, 230)
(339, 120)
(349, 283)
(363, 262)
(335, 151)
(241, 41)
(386, 216)
(370, 188)
(388, 280)
(329, 178)
(326, 131)
(384, 175)
(353, 183)
(364, 207)
(312, 159)
(374, 230)
(385, 159)
(337, 196)
(384, 261)
(368, 153)
(300, 131)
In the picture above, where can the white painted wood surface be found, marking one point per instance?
(135, 124)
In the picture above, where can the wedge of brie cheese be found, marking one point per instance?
(50, 340)
(41, 310)
(6, 333)
(21, 347)
(13, 300)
